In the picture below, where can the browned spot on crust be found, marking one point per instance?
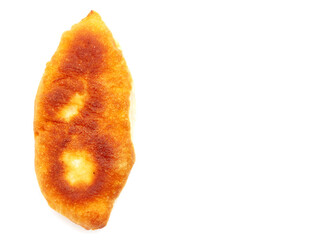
(62, 91)
(86, 55)
(98, 146)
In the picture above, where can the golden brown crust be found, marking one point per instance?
(83, 146)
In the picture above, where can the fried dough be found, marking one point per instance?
(83, 147)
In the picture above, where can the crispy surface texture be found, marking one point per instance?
(83, 147)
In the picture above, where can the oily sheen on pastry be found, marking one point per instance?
(83, 147)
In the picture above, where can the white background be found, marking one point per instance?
(229, 124)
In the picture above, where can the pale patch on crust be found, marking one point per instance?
(80, 168)
(73, 107)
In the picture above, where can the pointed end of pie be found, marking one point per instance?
(93, 14)
(91, 216)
